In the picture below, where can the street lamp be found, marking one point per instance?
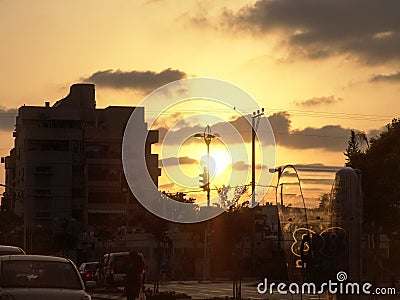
(205, 181)
(207, 136)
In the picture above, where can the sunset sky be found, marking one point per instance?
(319, 68)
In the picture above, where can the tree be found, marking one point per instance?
(231, 205)
(180, 197)
(324, 201)
(11, 229)
(354, 150)
(380, 168)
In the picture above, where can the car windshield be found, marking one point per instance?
(39, 274)
(121, 263)
(10, 252)
(91, 267)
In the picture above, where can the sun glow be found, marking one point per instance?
(222, 159)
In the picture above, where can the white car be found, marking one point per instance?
(32, 277)
(8, 250)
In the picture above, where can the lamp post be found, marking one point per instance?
(207, 136)
(124, 190)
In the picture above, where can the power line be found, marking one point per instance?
(307, 113)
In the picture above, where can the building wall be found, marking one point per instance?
(67, 162)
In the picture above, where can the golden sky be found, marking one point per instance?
(320, 68)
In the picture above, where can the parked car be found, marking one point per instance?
(32, 277)
(88, 271)
(7, 250)
(112, 269)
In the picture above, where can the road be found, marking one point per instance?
(208, 290)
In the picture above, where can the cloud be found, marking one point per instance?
(176, 161)
(317, 167)
(318, 101)
(367, 29)
(242, 166)
(328, 137)
(167, 121)
(7, 118)
(394, 77)
(137, 80)
(167, 186)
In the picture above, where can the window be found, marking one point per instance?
(43, 170)
(48, 145)
(76, 146)
(43, 193)
(39, 274)
(42, 203)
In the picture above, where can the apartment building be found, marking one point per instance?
(66, 162)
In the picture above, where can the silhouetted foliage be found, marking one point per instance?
(180, 197)
(354, 147)
(380, 169)
(66, 236)
(11, 229)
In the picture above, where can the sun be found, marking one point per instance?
(221, 159)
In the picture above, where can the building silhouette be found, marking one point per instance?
(66, 163)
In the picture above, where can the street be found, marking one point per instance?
(210, 290)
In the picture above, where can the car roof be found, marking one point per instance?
(10, 248)
(90, 263)
(117, 254)
(34, 257)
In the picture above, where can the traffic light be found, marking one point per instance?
(204, 180)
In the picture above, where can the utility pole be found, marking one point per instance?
(255, 121)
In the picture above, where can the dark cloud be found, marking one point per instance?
(394, 77)
(185, 160)
(167, 186)
(317, 168)
(138, 80)
(368, 29)
(317, 101)
(328, 137)
(242, 166)
(7, 118)
(167, 121)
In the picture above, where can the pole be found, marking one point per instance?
(25, 225)
(254, 125)
(127, 214)
(208, 174)
(205, 254)
(253, 163)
